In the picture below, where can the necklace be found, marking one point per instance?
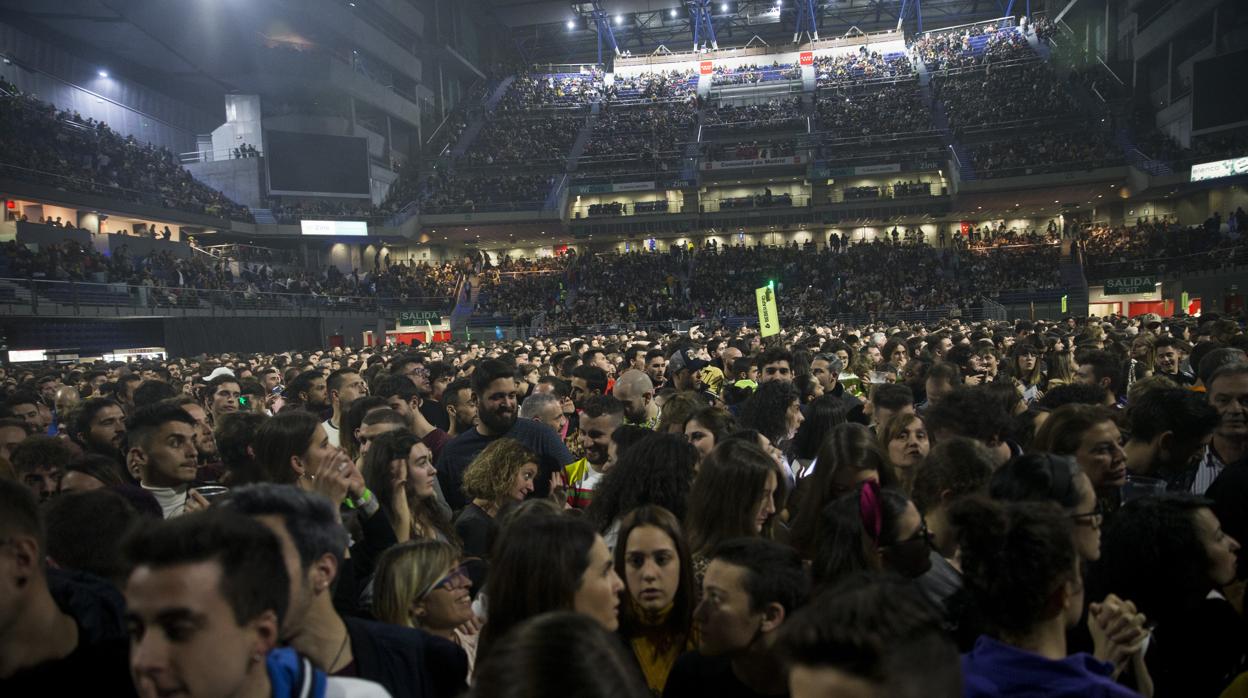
(345, 637)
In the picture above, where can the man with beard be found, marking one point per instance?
(602, 415)
(163, 455)
(635, 390)
(308, 391)
(494, 385)
(99, 426)
(205, 439)
(461, 408)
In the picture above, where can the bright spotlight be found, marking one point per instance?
(618, 20)
(571, 25)
(673, 12)
(102, 73)
(723, 7)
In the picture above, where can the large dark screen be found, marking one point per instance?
(1216, 84)
(307, 163)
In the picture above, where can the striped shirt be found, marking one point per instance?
(1209, 469)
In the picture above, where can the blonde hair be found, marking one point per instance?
(491, 475)
(407, 573)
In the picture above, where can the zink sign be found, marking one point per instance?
(1130, 284)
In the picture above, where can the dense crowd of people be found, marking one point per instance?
(1045, 152)
(453, 192)
(62, 149)
(652, 133)
(862, 65)
(1002, 96)
(847, 115)
(955, 509)
(753, 74)
(1161, 246)
(658, 86)
(510, 140)
(551, 90)
(773, 114)
(171, 279)
(956, 48)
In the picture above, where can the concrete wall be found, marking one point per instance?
(240, 180)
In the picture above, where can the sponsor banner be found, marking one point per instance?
(806, 58)
(877, 169)
(705, 68)
(349, 228)
(632, 186)
(609, 188)
(768, 315)
(756, 162)
(1130, 284)
(824, 171)
(1219, 169)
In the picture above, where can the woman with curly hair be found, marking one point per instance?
(398, 468)
(658, 471)
(1169, 555)
(1022, 573)
(1090, 434)
(500, 474)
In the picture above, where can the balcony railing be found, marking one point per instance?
(92, 298)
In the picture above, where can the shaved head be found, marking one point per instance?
(632, 383)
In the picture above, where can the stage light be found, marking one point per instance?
(673, 12)
(618, 20)
(102, 73)
(723, 7)
(571, 25)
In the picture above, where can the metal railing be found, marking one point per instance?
(96, 298)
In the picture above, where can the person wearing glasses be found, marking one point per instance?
(871, 529)
(1023, 573)
(1045, 477)
(424, 584)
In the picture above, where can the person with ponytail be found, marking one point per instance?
(1022, 572)
(871, 529)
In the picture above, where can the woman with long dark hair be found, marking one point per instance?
(871, 530)
(822, 416)
(549, 563)
(399, 470)
(657, 616)
(848, 456)
(733, 496)
(707, 428)
(657, 470)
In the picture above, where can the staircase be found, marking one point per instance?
(1137, 159)
(941, 121)
(1074, 281)
(582, 139)
(1041, 47)
(264, 216)
(465, 303)
(499, 91)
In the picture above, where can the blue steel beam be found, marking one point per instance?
(806, 21)
(605, 33)
(703, 29)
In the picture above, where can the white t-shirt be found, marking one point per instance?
(332, 432)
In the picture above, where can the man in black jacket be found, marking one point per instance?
(60, 634)
(407, 662)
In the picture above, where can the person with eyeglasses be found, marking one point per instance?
(871, 529)
(424, 584)
(1023, 573)
(1045, 477)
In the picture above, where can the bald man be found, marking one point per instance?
(635, 389)
(67, 398)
